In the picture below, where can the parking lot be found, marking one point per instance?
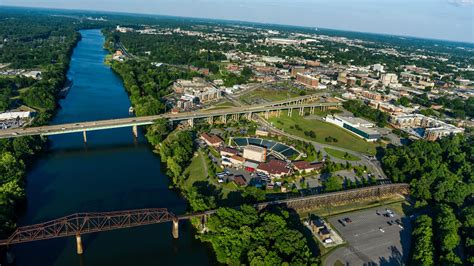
(370, 239)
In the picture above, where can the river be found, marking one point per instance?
(111, 172)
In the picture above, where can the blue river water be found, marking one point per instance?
(111, 172)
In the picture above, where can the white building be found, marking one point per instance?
(255, 153)
(358, 126)
(388, 79)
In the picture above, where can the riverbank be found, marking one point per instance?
(113, 171)
(20, 155)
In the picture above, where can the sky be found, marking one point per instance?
(436, 19)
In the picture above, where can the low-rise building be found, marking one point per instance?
(388, 79)
(262, 132)
(212, 140)
(240, 180)
(307, 80)
(297, 70)
(274, 168)
(236, 160)
(307, 167)
(358, 126)
(228, 152)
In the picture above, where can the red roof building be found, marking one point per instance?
(240, 180)
(212, 140)
(306, 167)
(274, 168)
(226, 151)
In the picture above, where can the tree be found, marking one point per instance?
(423, 250)
(448, 226)
(158, 132)
(333, 183)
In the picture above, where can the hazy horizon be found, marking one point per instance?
(450, 20)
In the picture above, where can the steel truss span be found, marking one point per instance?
(85, 223)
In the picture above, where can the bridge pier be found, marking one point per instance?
(302, 111)
(224, 119)
(84, 134)
(210, 120)
(290, 112)
(135, 131)
(266, 114)
(175, 229)
(191, 122)
(249, 116)
(80, 250)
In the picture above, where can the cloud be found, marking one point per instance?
(461, 2)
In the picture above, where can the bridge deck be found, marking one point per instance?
(146, 120)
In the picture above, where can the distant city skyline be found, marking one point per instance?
(435, 19)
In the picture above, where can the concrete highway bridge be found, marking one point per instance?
(298, 104)
(78, 224)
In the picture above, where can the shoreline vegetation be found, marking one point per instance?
(20, 154)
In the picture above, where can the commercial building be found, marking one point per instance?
(307, 80)
(15, 119)
(198, 88)
(372, 95)
(388, 79)
(297, 70)
(425, 127)
(255, 153)
(358, 126)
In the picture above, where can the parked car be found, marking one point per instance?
(348, 220)
(341, 222)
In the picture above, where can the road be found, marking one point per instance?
(146, 120)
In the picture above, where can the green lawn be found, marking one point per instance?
(322, 129)
(269, 95)
(196, 171)
(222, 105)
(341, 155)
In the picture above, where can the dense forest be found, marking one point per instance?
(249, 237)
(441, 175)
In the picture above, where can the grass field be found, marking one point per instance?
(222, 105)
(341, 155)
(268, 95)
(323, 130)
(196, 171)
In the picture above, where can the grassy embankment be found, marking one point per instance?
(341, 155)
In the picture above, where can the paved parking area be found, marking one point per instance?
(367, 244)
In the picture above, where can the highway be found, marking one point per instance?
(147, 120)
